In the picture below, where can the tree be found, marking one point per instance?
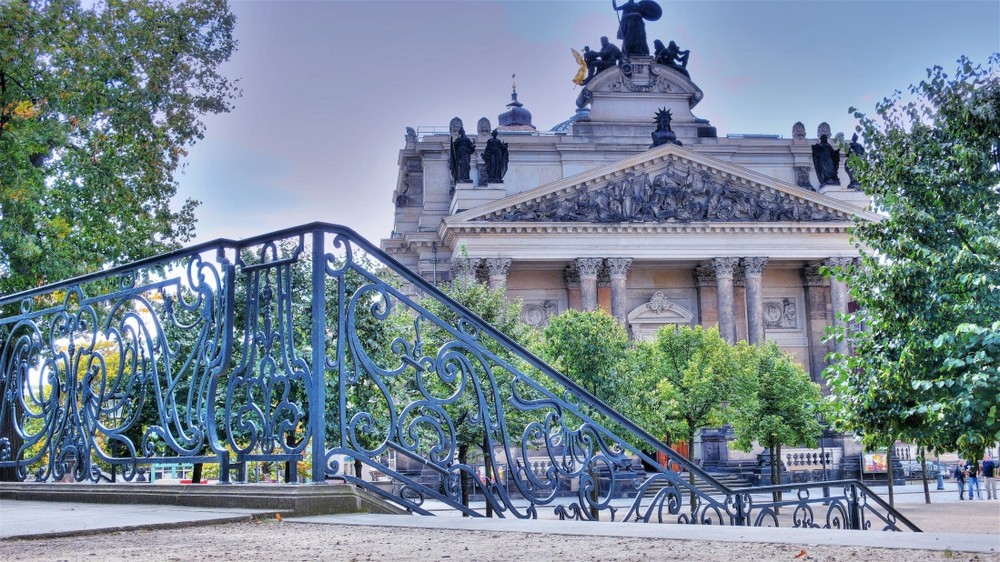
(776, 405)
(587, 347)
(926, 364)
(97, 108)
(689, 376)
(590, 348)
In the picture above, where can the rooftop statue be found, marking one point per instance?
(858, 149)
(609, 55)
(496, 157)
(663, 133)
(632, 28)
(826, 160)
(672, 56)
(462, 149)
(581, 74)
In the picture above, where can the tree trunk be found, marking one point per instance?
(488, 470)
(594, 493)
(776, 472)
(463, 455)
(923, 472)
(291, 470)
(888, 468)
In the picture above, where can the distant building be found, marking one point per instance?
(728, 231)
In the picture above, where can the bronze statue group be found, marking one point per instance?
(495, 157)
(632, 33)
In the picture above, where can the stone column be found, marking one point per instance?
(497, 268)
(724, 286)
(753, 271)
(817, 319)
(618, 267)
(740, 302)
(464, 269)
(572, 278)
(588, 281)
(839, 297)
(708, 303)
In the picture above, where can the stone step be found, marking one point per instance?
(730, 480)
(322, 499)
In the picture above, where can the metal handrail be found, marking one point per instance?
(201, 300)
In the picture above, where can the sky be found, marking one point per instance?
(329, 86)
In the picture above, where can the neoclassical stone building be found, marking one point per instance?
(710, 230)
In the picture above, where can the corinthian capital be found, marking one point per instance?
(753, 267)
(618, 267)
(498, 267)
(838, 262)
(588, 266)
(704, 276)
(811, 277)
(464, 267)
(724, 267)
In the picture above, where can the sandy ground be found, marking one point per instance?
(270, 539)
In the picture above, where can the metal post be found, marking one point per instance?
(317, 404)
(822, 453)
(854, 509)
(940, 478)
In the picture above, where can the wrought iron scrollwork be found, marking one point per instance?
(310, 349)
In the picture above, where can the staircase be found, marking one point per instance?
(731, 481)
(310, 349)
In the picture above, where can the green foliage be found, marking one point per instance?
(97, 108)
(926, 366)
(776, 403)
(589, 348)
(689, 376)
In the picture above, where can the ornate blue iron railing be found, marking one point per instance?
(310, 348)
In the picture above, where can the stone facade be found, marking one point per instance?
(723, 231)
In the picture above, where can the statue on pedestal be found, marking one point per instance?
(496, 157)
(632, 28)
(856, 148)
(609, 55)
(672, 56)
(826, 160)
(663, 133)
(462, 149)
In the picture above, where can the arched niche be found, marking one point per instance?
(647, 319)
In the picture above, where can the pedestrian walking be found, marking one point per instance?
(959, 475)
(972, 477)
(989, 468)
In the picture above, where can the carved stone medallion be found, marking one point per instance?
(780, 314)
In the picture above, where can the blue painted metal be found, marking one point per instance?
(310, 345)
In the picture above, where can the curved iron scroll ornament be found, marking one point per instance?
(310, 348)
(99, 380)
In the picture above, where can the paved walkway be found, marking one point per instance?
(946, 519)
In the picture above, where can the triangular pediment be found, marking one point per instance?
(667, 184)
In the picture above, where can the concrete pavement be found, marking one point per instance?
(946, 522)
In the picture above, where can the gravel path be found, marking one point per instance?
(270, 539)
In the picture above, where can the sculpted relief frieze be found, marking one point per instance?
(671, 195)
